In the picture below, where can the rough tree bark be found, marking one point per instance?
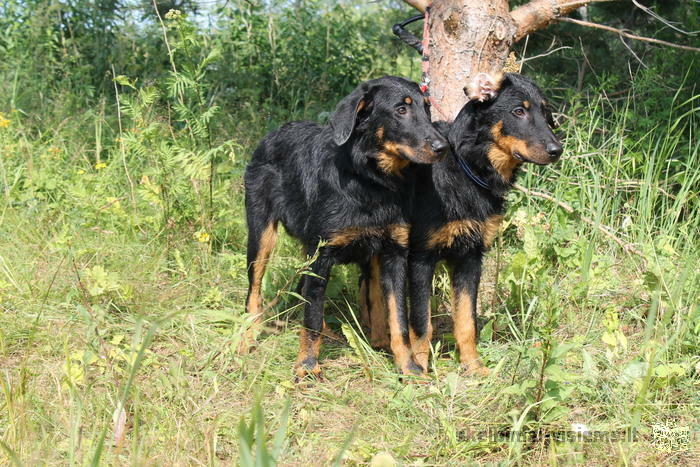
(468, 37)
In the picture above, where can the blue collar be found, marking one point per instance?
(470, 173)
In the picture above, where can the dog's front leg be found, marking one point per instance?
(466, 274)
(394, 268)
(421, 270)
(314, 292)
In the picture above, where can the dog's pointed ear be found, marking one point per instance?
(344, 118)
(484, 87)
(463, 123)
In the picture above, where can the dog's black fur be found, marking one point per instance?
(348, 184)
(454, 218)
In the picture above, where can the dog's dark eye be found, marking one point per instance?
(401, 110)
(519, 112)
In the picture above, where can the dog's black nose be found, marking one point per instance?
(439, 145)
(554, 150)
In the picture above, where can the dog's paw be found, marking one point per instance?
(380, 343)
(307, 368)
(475, 368)
(246, 346)
(422, 361)
(411, 368)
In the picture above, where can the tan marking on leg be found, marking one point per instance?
(465, 333)
(421, 346)
(445, 236)
(327, 332)
(402, 352)
(399, 233)
(379, 334)
(490, 229)
(348, 235)
(254, 305)
(308, 347)
(396, 232)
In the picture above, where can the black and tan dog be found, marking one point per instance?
(346, 190)
(459, 204)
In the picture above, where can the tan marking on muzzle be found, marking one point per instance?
(389, 160)
(501, 154)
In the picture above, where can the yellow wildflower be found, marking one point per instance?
(201, 236)
(173, 14)
(4, 123)
(81, 171)
(100, 166)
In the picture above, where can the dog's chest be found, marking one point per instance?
(370, 237)
(463, 234)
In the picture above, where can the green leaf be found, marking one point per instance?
(531, 243)
(124, 81)
(278, 440)
(609, 338)
(634, 371)
(589, 367)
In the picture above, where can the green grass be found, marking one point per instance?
(122, 284)
(107, 302)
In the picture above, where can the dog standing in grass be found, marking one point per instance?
(348, 184)
(460, 202)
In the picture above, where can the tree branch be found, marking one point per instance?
(539, 13)
(651, 13)
(419, 5)
(627, 34)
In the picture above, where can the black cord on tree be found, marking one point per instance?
(400, 30)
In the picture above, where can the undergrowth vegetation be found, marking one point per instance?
(122, 257)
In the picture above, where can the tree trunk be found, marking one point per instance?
(466, 37)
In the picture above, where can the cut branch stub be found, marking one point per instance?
(537, 14)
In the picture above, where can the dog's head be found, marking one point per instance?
(393, 116)
(511, 114)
